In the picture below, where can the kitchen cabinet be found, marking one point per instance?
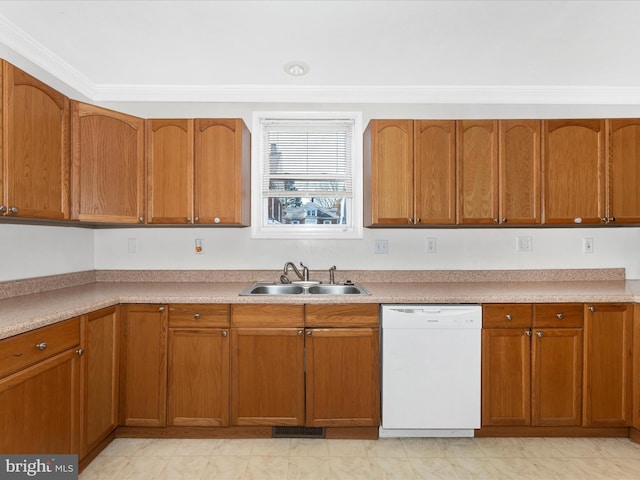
(198, 371)
(143, 373)
(636, 374)
(107, 169)
(99, 367)
(623, 171)
(267, 365)
(552, 333)
(573, 169)
(342, 365)
(39, 390)
(608, 337)
(222, 172)
(409, 172)
(35, 153)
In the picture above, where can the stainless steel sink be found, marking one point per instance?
(289, 289)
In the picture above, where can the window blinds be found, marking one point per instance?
(307, 158)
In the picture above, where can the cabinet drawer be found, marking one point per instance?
(32, 347)
(570, 315)
(348, 315)
(507, 315)
(203, 315)
(267, 315)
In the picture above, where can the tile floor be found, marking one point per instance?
(402, 459)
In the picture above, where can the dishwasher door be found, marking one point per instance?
(431, 357)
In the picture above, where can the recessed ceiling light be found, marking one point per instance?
(296, 68)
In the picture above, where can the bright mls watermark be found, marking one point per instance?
(49, 467)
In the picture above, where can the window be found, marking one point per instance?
(307, 175)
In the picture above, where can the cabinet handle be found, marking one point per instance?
(13, 210)
(41, 345)
(197, 316)
(300, 333)
(3, 208)
(509, 316)
(528, 333)
(224, 333)
(80, 352)
(592, 309)
(560, 316)
(161, 309)
(539, 334)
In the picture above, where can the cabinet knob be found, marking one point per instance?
(496, 220)
(161, 309)
(539, 334)
(41, 345)
(604, 220)
(141, 219)
(13, 210)
(188, 219)
(504, 220)
(509, 316)
(216, 220)
(418, 220)
(528, 333)
(611, 219)
(410, 219)
(3, 208)
(300, 333)
(197, 316)
(560, 316)
(577, 220)
(80, 352)
(196, 219)
(592, 309)
(224, 333)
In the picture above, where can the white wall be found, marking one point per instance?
(28, 251)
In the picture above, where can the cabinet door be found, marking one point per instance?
(222, 171)
(39, 407)
(198, 383)
(388, 179)
(343, 377)
(506, 376)
(143, 377)
(435, 172)
(36, 153)
(107, 168)
(169, 171)
(608, 365)
(100, 375)
(636, 367)
(623, 171)
(519, 169)
(477, 164)
(267, 376)
(557, 377)
(573, 171)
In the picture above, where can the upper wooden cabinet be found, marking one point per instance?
(222, 172)
(198, 175)
(107, 165)
(573, 168)
(623, 171)
(409, 172)
(35, 136)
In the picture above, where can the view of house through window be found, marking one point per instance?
(308, 172)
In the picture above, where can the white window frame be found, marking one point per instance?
(260, 228)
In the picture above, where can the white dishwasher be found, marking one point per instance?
(431, 356)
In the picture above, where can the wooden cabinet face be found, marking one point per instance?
(40, 407)
(477, 164)
(435, 171)
(608, 365)
(107, 165)
(222, 171)
(198, 381)
(556, 382)
(623, 171)
(519, 155)
(389, 172)
(343, 377)
(36, 149)
(170, 171)
(143, 384)
(506, 376)
(573, 171)
(100, 376)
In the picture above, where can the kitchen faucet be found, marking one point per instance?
(332, 279)
(304, 275)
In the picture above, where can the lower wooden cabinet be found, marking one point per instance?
(40, 401)
(143, 376)
(99, 367)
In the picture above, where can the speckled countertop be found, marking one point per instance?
(27, 311)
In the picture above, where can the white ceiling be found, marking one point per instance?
(384, 51)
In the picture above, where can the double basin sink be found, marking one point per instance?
(304, 289)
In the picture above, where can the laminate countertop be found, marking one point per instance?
(22, 313)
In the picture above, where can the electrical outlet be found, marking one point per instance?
(430, 245)
(587, 245)
(381, 246)
(524, 244)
